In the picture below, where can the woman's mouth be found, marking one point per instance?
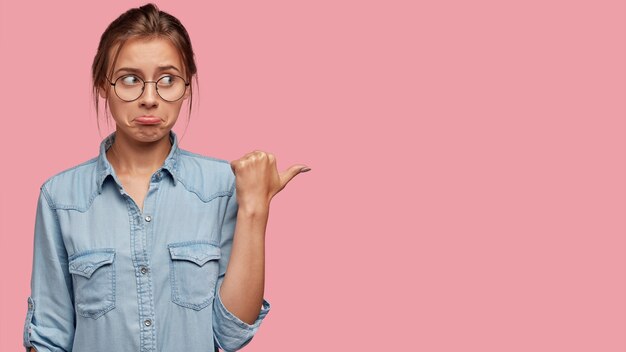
(147, 120)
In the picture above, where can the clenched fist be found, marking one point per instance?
(258, 180)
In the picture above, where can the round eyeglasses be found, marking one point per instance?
(130, 87)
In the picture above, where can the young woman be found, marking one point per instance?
(149, 247)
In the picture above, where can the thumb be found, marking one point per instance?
(291, 172)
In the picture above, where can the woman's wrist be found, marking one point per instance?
(254, 209)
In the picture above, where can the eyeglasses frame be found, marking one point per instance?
(143, 88)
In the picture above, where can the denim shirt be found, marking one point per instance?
(107, 276)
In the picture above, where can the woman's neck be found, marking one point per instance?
(132, 158)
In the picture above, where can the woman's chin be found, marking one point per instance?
(151, 134)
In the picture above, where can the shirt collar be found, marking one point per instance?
(104, 168)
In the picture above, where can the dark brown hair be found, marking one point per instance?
(146, 22)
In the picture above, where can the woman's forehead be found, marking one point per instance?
(147, 55)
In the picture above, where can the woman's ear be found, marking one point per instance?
(102, 91)
(187, 93)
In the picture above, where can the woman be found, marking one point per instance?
(149, 247)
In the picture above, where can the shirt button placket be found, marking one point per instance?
(145, 298)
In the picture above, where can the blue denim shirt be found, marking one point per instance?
(108, 277)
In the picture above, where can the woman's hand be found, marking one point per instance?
(258, 180)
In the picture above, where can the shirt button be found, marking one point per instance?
(148, 218)
(147, 322)
(144, 270)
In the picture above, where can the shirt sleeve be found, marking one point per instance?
(230, 332)
(50, 319)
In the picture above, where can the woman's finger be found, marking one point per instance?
(290, 173)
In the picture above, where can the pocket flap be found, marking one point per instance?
(197, 252)
(85, 263)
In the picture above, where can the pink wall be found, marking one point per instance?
(468, 161)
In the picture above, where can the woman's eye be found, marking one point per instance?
(167, 80)
(130, 80)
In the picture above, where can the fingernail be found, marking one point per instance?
(305, 169)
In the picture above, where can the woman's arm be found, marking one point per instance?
(49, 323)
(242, 290)
(257, 182)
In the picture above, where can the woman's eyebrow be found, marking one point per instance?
(159, 69)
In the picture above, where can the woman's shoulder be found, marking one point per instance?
(72, 182)
(77, 172)
(208, 159)
(204, 175)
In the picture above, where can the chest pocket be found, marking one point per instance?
(93, 274)
(194, 268)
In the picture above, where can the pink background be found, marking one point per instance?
(468, 161)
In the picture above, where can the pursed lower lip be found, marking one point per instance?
(147, 120)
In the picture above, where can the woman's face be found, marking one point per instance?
(149, 118)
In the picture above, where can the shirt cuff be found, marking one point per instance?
(28, 330)
(231, 332)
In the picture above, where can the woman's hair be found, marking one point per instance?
(144, 22)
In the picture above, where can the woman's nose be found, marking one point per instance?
(150, 95)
